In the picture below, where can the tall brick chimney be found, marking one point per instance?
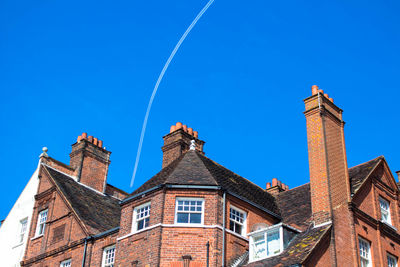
(90, 161)
(178, 142)
(329, 177)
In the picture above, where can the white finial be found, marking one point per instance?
(192, 145)
(44, 154)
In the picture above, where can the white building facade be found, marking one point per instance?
(15, 228)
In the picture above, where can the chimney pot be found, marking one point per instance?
(178, 125)
(326, 95)
(321, 91)
(90, 138)
(84, 135)
(95, 141)
(398, 175)
(196, 134)
(283, 186)
(184, 128)
(268, 185)
(79, 139)
(274, 182)
(173, 128)
(190, 131)
(314, 89)
(100, 144)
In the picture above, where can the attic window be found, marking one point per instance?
(385, 211)
(269, 242)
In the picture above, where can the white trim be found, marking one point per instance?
(266, 229)
(182, 226)
(36, 237)
(385, 202)
(322, 224)
(105, 253)
(39, 223)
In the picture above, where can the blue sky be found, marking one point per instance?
(239, 79)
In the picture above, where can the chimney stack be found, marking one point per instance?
(90, 161)
(329, 177)
(178, 141)
(276, 187)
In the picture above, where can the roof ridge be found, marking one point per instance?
(216, 163)
(379, 157)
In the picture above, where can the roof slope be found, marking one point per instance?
(359, 173)
(97, 211)
(297, 251)
(193, 168)
(295, 206)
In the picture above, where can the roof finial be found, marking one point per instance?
(192, 145)
(44, 154)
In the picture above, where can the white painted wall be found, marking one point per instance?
(11, 250)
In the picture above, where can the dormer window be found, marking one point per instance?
(269, 242)
(385, 211)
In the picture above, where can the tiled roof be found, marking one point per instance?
(295, 206)
(297, 251)
(193, 168)
(97, 211)
(359, 173)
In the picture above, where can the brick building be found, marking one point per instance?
(195, 212)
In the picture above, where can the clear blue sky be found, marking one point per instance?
(239, 79)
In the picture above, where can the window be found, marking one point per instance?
(237, 221)
(41, 224)
(385, 211)
(66, 263)
(391, 260)
(189, 210)
(108, 256)
(141, 217)
(23, 224)
(266, 243)
(365, 255)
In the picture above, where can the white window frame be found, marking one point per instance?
(243, 224)
(66, 263)
(264, 232)
(23, 227)
(135, 220)
(385, 210)
(103, 261)
(189, 199)
(364, 244)
(41, 221)
(394, 260)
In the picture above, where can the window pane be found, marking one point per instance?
(195, 218)
(183, 217)
(273, 243)
(259, 247)
(140, 225)
(238, 229)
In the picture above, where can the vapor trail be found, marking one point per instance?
(160, 77)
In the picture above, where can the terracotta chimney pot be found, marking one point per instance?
(79, 139)
(184, 128)
(196, 134)
(95, 141)
(331, 99)
(314, 89)
(398, 175)
(100, 144)
(178, 125)
(326, 95)
(268, 185)
(190, 131)
(84, 135)
(90, 138)
(321, 91)
(274, 182)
